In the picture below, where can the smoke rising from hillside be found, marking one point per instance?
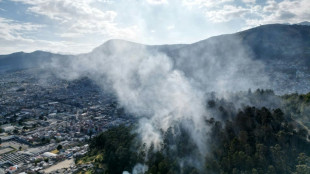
(163, 89)
(145, 84)
(222, 64)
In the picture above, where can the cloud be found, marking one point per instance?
(92, 22)
(77, 18)
(223, 10)
(249, 1)
(18, 36)
(15, 30)
(287, 11)
(68, 10)
(253, 14)
(227, 13)
(170, 27)
(156, 2)
(205, 3)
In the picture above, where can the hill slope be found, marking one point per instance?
(251, 57)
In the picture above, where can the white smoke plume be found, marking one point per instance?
(146, 84)
(137, 169)
(162, 90)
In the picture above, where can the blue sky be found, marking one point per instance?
(78, 26)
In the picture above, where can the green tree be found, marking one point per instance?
(15, 131)
(59, 147)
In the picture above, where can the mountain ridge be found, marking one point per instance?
(108, 42)
(283, 51)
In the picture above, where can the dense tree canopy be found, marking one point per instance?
(249, 140)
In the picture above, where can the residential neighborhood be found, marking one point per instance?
(46, 124)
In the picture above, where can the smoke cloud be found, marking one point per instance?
(166, 86)
(138, 169)
(145, 83)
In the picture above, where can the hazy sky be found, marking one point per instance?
(77, 26)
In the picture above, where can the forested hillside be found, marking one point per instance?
(240, 140)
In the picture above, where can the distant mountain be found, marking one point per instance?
(21, 60)
(278, 41)
(267, 42)
(304, 23)
(283, 51)
(275, 41)
(278, 52)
